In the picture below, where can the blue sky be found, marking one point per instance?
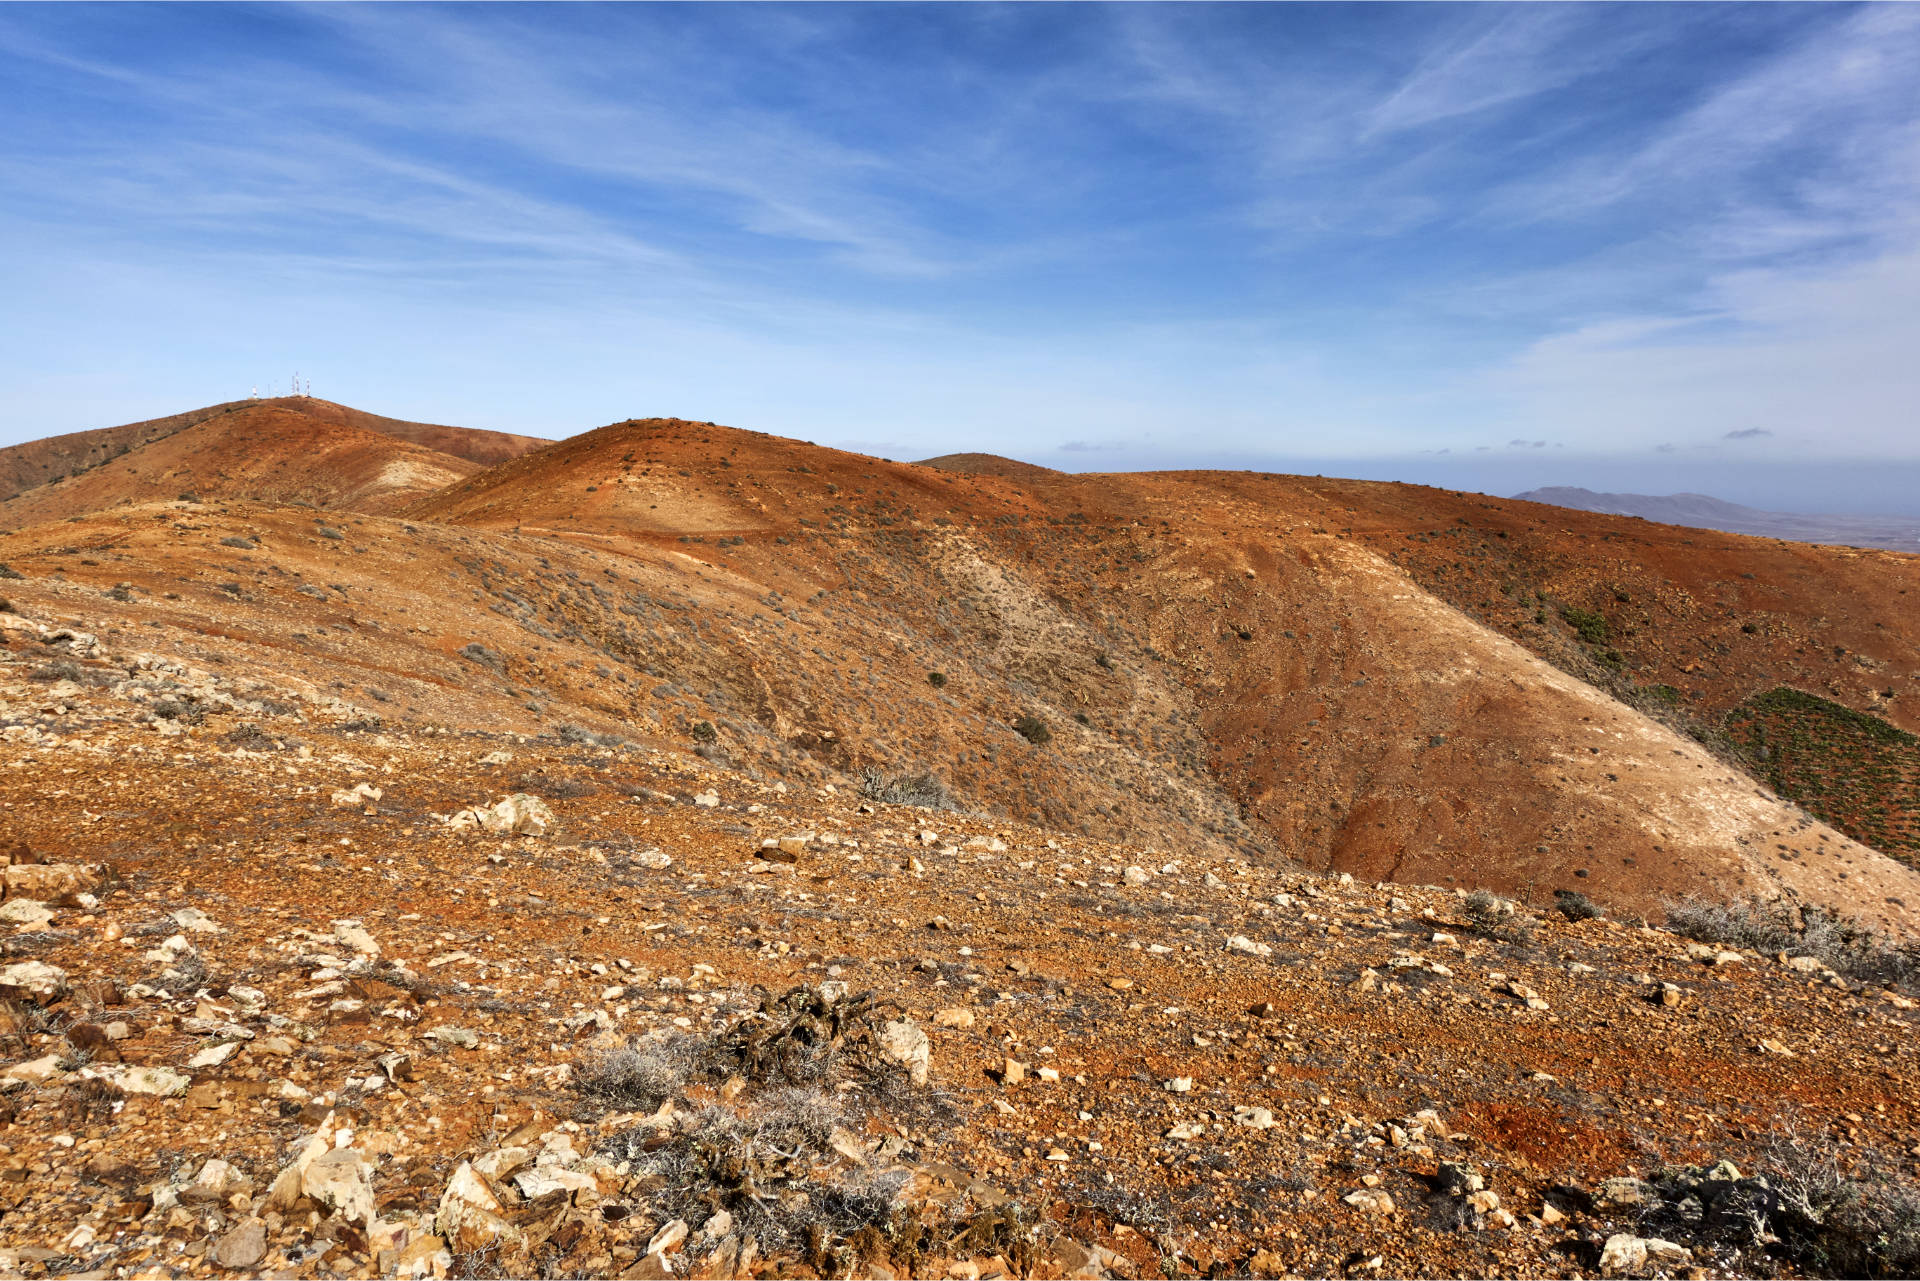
(1633, 246)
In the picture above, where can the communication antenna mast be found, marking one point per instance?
(256, 391)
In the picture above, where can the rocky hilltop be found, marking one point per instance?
(683, 851)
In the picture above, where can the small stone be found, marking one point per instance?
(1241, 943)
(1180, 1085)
(339, 1180)
(1253, 1118)
(470, 1216)
(27, 913)
(148, 1080)
(243, 1246)
(1370, 1199)
(356, 797)
(214, 1055)
(669, 1238)
(954, 1016)
(42, 982)
(842, 1141)
(1525, 993)
(903, 1042)
(518, 815)
(352, 934)
(38, 1071)
(1626, 1255)
(1625, 1192)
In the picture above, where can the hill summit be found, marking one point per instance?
(292, 449)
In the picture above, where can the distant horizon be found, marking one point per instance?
(1838, 488)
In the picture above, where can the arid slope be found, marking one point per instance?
(1280, 668)
(1352, 719)
(271, 451)
(291, 448)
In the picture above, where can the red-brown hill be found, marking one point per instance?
(59, 458)
(988, 465)
(289, 450)
(53, 458)
(1277, 663)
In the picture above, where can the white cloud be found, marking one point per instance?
(1809, 361)
(1516, 54)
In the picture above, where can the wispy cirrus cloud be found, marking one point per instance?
(1378, 231)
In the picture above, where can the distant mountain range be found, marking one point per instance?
(1898, 533)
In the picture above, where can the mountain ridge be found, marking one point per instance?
(1703, 511)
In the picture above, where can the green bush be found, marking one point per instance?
(1590, 625)
(937, 679)
(1033, 729)
(1576, 906)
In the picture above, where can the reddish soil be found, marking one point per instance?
(294, 449)
(690, 639)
